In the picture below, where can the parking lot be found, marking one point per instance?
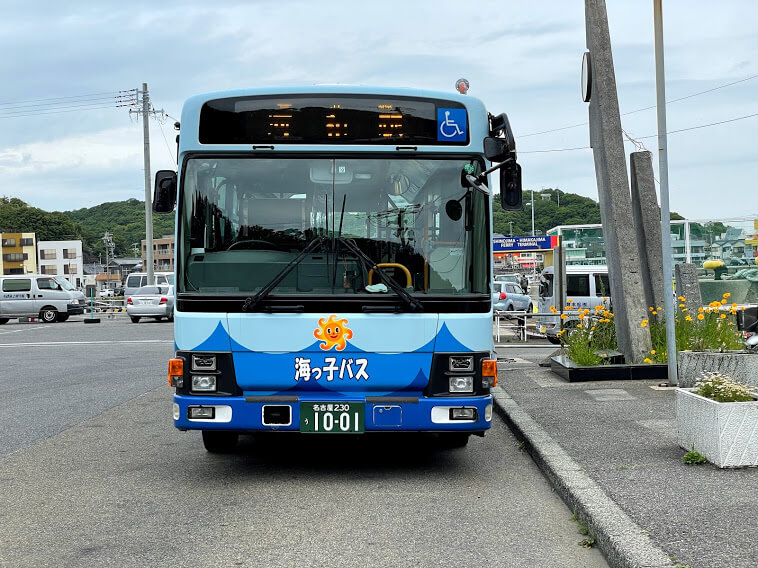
(95, 474)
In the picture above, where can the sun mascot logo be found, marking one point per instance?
(333, 332)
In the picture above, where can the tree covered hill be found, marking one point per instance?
(18, 217)
(552, 208)
(125, 220)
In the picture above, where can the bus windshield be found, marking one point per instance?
(244, 220)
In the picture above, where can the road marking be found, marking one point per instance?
(49, 343)
(610, 395)
(22, 330)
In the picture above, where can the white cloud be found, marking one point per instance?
(522, 57)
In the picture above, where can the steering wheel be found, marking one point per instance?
(254, 244)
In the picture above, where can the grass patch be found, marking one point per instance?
(694, 457)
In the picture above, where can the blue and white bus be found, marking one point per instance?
(334, 261)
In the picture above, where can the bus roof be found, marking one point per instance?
(468, 100)
(477, 113)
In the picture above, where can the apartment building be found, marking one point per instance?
(62, 258)
(163, 254)
(18, 253)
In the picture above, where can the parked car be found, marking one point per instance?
(51, 298)
(586, 287)
(138, 279)
(508, 296)
(151, 302)
(520, 280)
(106, 293)
(515, 278)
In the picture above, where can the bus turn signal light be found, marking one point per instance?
(489, 372)
(176, 372)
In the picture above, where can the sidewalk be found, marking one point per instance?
(610, 450)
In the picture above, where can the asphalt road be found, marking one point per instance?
(94, 474)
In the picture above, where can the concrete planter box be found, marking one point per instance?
(741, 366)
(726, 433)
(571, 372)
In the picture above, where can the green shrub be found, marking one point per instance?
(723, 388)
(693, 458)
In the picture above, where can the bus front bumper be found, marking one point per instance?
(295, 413)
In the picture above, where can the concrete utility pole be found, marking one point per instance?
(599, 83)
(660, 88)
(146, 111)
(109, 249)
(647, 217)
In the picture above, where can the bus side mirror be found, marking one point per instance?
(496, 149)
(501, 126)
(510, 187)
(164, 193)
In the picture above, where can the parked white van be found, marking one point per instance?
(51, 298)
(137, 280)
(586, 287)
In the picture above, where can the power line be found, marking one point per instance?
(694, 94)
(702, 126)
(75, 102)
(554, 150)
(112, 93)
(643, 109)
(66, 104)
(168, 147)
(72, 108)
(643, 137)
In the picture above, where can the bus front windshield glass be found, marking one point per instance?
(331, 226)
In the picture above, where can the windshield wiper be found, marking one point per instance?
(253, 301)
(369, 264)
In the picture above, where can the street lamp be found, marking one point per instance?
(531, 204)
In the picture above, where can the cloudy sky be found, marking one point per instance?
(64, 144)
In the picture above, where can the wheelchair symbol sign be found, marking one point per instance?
(451, 125)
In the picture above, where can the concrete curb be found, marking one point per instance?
(623, 543)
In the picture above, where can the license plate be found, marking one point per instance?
(332, 417)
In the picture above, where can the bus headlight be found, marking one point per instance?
(461, 384)
(204, 383)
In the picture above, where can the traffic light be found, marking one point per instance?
(510, 187)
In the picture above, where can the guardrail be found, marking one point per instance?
(519, 324)
(106, 306)
(512, 321)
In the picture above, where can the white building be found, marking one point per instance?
(62, 258)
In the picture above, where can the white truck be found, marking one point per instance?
(586, 287)
(51, 298)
